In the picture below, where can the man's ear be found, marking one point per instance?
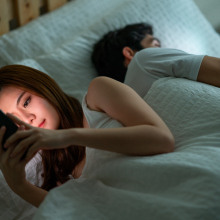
(128, 54)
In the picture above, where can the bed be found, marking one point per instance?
(183, 184)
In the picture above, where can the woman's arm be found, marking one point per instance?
(31, 194)
(140, 140)
(144, 133)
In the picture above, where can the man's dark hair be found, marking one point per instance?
(107, 54)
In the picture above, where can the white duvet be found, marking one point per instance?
(183, 184)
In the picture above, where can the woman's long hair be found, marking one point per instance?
(57, 164)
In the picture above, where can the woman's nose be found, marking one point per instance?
(30, 120)
(28, 117)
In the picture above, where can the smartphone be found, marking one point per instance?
(11, 127)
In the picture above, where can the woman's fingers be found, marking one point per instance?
(22, 128)
(5, 158)
(18, 121)
(2, 151)
(2, 133)
(23, 146)
(18, 135)
(32, 152)
(18, 159)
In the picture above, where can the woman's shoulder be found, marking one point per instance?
(102, 92)
(91, 97)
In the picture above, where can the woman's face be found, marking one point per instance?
(29, 108)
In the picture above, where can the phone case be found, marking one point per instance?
(11, 127)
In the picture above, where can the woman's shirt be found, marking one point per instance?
(97, 119)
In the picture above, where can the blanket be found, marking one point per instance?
(183, 184)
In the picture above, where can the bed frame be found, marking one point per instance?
(16, 13)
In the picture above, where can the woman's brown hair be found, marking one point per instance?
(57, 164)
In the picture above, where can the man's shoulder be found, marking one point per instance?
(154, 51)
(150, 56)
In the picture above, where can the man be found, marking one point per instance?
(133, 56)
(113, 53)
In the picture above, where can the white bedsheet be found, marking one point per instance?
(183, 184)
(60, 44)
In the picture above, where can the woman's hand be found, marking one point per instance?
(12, 169)
(33, 139)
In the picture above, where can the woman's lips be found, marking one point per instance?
(42, 123)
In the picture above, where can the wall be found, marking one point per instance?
(211, 10)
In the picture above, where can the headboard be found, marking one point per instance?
(16, 13)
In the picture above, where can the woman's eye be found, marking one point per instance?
(27, 102)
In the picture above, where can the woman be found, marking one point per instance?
(54, 122)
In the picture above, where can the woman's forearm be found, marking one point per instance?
(137, 140)
(32, 194)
